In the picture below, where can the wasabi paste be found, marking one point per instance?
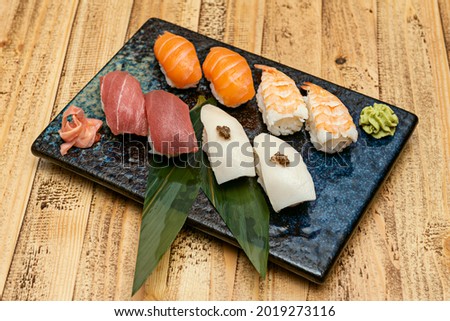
(378, 120)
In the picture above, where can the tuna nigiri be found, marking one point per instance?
(230, 77)
(170, 129)
(80, 131)
(123, 103)
(330, 124)
(280, 102)
(178, 60)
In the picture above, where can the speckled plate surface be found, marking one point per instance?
(306, 239)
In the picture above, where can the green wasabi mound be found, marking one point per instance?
(379, 121)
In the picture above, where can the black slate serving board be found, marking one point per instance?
(306, 239)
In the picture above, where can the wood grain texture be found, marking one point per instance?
(410, 61)
(164, 283)
(33, 43)
(279, 41)
(199, 267)
(79, 240)
(48, 252)
(185, 13)
(296, 44)
(348, 64)
(349, 58)
(349, 46)
(105, 270)
(213, 18)
(444, 12)
(107, 263)
(245, 21)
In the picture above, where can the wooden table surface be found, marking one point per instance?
(63, 237)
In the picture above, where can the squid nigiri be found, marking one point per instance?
(280, 102)
(170, 129)
(178, 60)
(226, 144)
(330, 124)
(282, 172)
(230, 77)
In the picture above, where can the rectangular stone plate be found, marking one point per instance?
(306, 239)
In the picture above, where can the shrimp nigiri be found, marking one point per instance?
(230, 77)
(280, 102)
(330, 124)
(178, 60)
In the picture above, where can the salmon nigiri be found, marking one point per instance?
(330, 124)
(230, 77)
(280, 102)
(178, 60)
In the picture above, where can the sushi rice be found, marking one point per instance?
(280, 102)
(330, 124)
(171, 83)
(280, 124)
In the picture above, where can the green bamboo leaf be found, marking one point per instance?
(170, 194)
(242, 206)
(172, 187)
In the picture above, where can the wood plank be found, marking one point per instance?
(184, 272)
(444, 11)
(213, 19)
(50, 245)
(33, 40)
(296, 45)
(441, 72)
(414, 74)
(244, 27)
(184, 13)
(349, 48)
(180, 259)
(106, 269)
(8, 12)
(436, 233)
(102, 272)
(349, 58)
(77, 238)
(292, 34)
(189, 276)
(283, 41)
(344, 61)
(240, 24)
(200, 267)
